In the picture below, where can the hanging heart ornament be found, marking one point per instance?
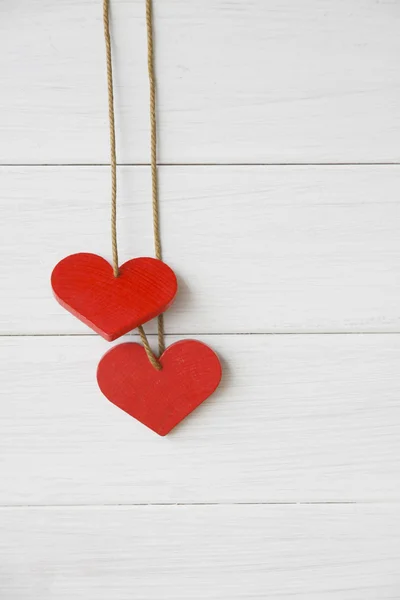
(85, 285)
(113, 300)
(190, 373)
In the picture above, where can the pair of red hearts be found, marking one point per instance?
(85, 285)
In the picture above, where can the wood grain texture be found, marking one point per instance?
(86, 286)
(160, 399)
(259, 81)
(204, 552)
(295, 419)
(255, 249)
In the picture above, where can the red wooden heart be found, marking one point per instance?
(85, 285)
(190, 373)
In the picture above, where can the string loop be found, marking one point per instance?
(113, 162)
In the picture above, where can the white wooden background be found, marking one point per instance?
(280, 201)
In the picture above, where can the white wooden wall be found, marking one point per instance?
(280, 200)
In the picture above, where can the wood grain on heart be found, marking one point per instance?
(85, 285)
(190, 373)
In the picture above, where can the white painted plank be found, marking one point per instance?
(239, 81)
(204, 552)
(256, 249)
(297, 418)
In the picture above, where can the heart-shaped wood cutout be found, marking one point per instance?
(85, 285)
(190, 373)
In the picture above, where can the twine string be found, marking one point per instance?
(150, 354)
(153, 153)
(113, 152)
(113, 163)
